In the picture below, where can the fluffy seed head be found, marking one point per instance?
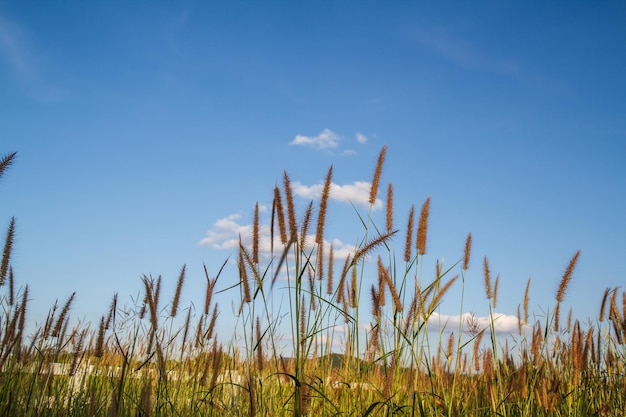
(179, 288)
(487, 280)
(255, 235)
(329, 281)
(409, 236)
(422, 227)
(280, 214)
(376, 180)
(468, 248)
(603, 305)
(389, 207)
(321, 217)
(291, 211)
(560, 293)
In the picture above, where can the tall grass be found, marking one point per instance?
(363, 336)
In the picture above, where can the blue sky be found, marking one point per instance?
(147, 131)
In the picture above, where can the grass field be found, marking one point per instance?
(140, 362)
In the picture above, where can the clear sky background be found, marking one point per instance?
(147, 131)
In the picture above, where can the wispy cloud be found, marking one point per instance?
(461, 52)
(13, 48)
(326, 139)
(20, 56)
(361, 138)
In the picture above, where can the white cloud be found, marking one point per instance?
(341, 250)
(361, 138)
(356, 193)
(326, 139)
(502, 323)
(225, 233)
(309, 192)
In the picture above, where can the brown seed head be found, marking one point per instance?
(423, 227)
(320, 261)
(311, 280)
(6, 162)
(305, 225)
(468, 248)
(557, 314)
(329, 282)
(342, 280)
(566, 277)
(439, 296)
(61, 320)
(392, 288)
(259, 345)
(409, 236)
(526, 298)
(613, 311)
(291, 211)
(22, 311)
(382, 282)
(321, 217)
(376, 180)
(476, 355)
(450, 345)
(11, 286)
(278, 203)
(302, 321)
(255, 235)
(211, 328)
(149, 300)
(179, 288)
(243, 275)
(371, 245)
(389, 207)
(186, 328)
(487, 280)
(6, 254)
(495, 291)
(99, 350)
(375, 302)
(353, 289)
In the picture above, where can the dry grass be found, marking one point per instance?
(143, 361)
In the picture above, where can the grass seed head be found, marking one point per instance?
(321, 216)
(255, 235)
(466, 253)
(329, 278)
(280, 214)
(389, 207)
(179, 288)
(422, 227)
(409, 236)
(291, 211)
(487, 278)
(560, 293)
(377, 172)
